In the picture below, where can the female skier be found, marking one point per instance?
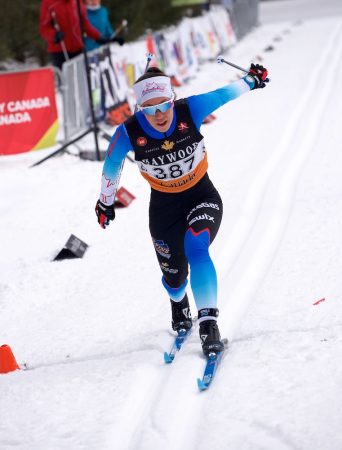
(185, 208)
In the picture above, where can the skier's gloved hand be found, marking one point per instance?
(259, 73)
(119, 40)
(59, 36)
(104, 213)
(103, 40)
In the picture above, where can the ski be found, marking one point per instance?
(213, 361)
(177, 345)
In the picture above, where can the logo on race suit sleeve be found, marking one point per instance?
(141, 141)
(183, 127)
(167, 145)
(162, 248)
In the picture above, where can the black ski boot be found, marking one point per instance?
(209, 331)
(181, 315)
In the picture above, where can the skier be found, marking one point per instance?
(185, 209)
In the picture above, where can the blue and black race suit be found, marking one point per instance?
(185, 208)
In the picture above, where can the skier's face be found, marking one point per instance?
(92, 2)
(161, 121)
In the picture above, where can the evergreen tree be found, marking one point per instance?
(19, 30)
(143, 15)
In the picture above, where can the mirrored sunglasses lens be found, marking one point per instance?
(149, 110)
(162, 107)
(165, 106)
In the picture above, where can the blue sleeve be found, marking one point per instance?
(109, 30)
(204, 104)
(118, 148)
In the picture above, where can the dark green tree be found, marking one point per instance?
(143, 15)
(19, 30)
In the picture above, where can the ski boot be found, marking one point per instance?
(209, 331)
(181, 315)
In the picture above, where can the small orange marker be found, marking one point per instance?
(7, 360)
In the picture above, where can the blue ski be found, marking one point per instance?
(213, 361)
(177, 345)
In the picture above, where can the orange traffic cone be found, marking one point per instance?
(7, 360)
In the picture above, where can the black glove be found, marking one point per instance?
(259, 73)
(104, 213)
(59, 36)
(119, 40)
(103, 40)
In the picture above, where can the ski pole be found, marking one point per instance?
(221, 60)
(57, 28)
(149, 57)
(122, 26)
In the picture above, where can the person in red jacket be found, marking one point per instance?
(60, 27)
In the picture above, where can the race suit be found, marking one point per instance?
(185, 208)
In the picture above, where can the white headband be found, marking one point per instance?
(152, 87)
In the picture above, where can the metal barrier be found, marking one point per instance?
(179, 50)
(109, 89)
(75, 97)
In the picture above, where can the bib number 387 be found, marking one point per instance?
(174, 170)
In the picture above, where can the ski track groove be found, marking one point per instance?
(171, 391)
(233, 246)
(277, 438)
(266, 244)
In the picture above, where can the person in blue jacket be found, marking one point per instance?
(98, 16)
(185, 209)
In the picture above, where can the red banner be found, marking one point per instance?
(28, 113)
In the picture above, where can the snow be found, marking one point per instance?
(91, 332)
(281, 10)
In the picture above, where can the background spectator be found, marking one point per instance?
(60, 27)
(98, 16)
